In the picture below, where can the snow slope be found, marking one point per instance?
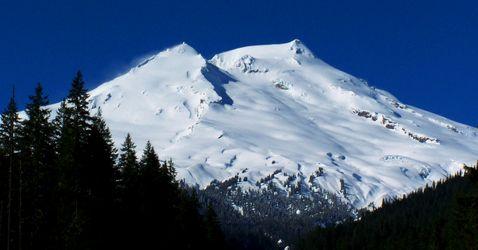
(254, 110)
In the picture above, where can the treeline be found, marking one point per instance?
(271, 217)
(63, 185)
(441, 216)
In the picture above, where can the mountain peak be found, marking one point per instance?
(281, 50)
(183, 48)
(180, 49)
(299, 48)
(243, 57)
(274, 114)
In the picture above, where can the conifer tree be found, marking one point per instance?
(10, 128)
(60, 186)
(9, 134)
(158, 198)
(129, 176)
(100, 175)
(101, 170)
(160, 175)
(129, 185)
(149, 160)
(77, 100)
(128, 162)
(64, 141)
(73, 125)
(168, 170)
(37, 154)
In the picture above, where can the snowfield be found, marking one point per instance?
(255, 110)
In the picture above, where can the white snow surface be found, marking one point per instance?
(257, 109)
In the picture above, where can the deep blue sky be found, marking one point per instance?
(423, 52)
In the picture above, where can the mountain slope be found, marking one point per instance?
(278, 111)
(443, 216)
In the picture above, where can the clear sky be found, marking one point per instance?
(423, 52)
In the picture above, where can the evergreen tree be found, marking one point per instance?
(128, 167)
(441, 216)
(128, 162)
(73, 125)
(77, 100)
(101, 172)
(11, 173)
(64, 142)
(37, 154)
(149, 161)
(129, 185)
(10, 128)
(100, 175)
(60, 186)
(158, 198)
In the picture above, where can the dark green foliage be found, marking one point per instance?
(259, 219)
(61, 186)
(128, 195)
(9, 129)
(77, 101)
(100, 175)
(73, 124)
(11, 175)
(128, 171)
(443, 216)
(157, 197)
(152, 203)
(128, 162)
(39, 177)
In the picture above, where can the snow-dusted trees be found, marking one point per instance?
(441, 216)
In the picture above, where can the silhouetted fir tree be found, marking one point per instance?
(101, 170)
(77, 100)
(60, 186)
(10, 128)
(128, 200)
(39, 176)
(73, 123)
(163, 202)
(168, 170)
(157, 199)
(100, 175)
(128, 161)
(67, 183)
(149, 161)
(9, 145)
(128, 167)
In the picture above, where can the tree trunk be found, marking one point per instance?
(20, 220)
(1, 222)
(9, 204)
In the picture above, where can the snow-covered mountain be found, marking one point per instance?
(276, 111)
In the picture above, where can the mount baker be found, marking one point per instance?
(275, 111)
